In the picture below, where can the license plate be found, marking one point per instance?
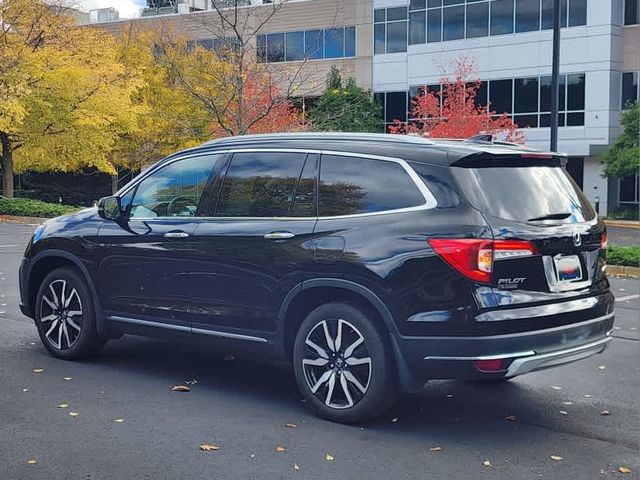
(568, 268)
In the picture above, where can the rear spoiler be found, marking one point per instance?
(485, 159)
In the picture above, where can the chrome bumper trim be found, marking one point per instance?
(559, 357)
(500, 356)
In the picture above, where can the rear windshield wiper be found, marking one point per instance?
(551, 216)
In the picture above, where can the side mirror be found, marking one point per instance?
(109, 208)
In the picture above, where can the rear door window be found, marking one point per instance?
(525, 193)
(354, 185)
(260, 184)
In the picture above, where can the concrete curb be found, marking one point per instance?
(26, 220)
(622, 223)
(622, 271)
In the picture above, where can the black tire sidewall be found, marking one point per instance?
(382, 390)
(89, 342)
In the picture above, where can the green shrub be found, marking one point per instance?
(628, 256)
(27, 207)
(625, 213)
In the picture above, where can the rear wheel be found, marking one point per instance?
(343, 364)
(65, 316)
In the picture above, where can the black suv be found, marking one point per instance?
(372, 263)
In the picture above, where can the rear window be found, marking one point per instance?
(524, 193)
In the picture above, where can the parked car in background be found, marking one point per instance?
(372, 263)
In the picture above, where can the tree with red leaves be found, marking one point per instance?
(453, 113)
(260, 109)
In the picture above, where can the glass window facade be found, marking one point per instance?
(527, 100)
(390, 30)
(630, 88)
(631, 12)
(339, 42)
(444, 20)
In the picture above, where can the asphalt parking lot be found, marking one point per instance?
(130, 425)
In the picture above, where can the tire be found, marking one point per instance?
(67, 330)
(371, 386)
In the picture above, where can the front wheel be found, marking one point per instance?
(65, 316)
(343, 364)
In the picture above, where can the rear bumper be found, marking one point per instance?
(441, 357)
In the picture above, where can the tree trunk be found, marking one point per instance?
(114, 183)
(7, 166)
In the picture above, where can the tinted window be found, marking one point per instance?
(417, 27)
(629, 87)
(378, 38)
(434, 25)
(577, 12)
(350, 42)
(295, 46)
(275, 47)
(313, 40)
(523, 193)
(453, 23)
(304, 204)
(526, 95)
(500, 96)
(575, 92)
(527, 15)
(260, 184)
(631, 12)
(334, 43)
(174, 190)
(396, 37)
(351, 185)
(477, 20)
(396, 106)
(501, 17)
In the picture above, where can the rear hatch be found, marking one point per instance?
(547, 237)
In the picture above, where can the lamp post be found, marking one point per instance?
(555, 74)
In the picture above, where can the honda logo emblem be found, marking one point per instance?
(577, 239)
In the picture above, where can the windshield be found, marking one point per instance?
(525, 193)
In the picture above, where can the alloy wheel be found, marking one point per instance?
(61, 314)
(337, 363)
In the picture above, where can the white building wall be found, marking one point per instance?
(594, 49)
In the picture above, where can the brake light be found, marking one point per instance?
(474, 258)
(604, 241)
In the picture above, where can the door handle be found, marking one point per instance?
(278, 235)
(176, 235)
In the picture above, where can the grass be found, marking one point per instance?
(27, 207)
(627, 256)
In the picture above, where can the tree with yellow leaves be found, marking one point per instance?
(66, 96)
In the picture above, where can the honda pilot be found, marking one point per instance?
(371, 263)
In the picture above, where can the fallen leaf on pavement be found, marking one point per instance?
(67, 379)
(624, 470)
(567, 403)
(280, 448)
(31, 461)
(510, 418)
(329, 457)
(587, 396)
(605, 412)
(119, 420)
(601, 367)
(296, 467)
(557, 458)
(253, 455)
(38, 370)
(73, 414)
(205, 447)
(435, 449)
(191, 382)
(487, 463)
(180, 388)
(556, 387)
(63, 405)
(25, 390)
(394, 420)
(291, 425)
(563, 412)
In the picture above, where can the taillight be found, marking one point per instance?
(604, 241)
(474, 257)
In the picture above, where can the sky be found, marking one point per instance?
(127, 8)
